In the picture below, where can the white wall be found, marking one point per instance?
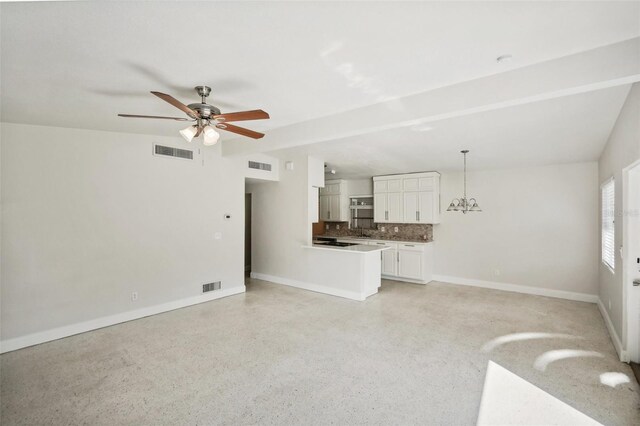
(89, 217)
(539, 228)
(280, 221)
(622, 149)
(360, 187)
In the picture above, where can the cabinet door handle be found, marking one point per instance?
(409, 245)
(386, 215)
(397, 256)
(417, 216)
(418, 213)
(329, 214)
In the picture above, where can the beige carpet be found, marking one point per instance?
(276, 355)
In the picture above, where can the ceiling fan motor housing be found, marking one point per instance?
(205, 110)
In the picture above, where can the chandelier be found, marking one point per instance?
(462, 204)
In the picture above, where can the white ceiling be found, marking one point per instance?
(78, 64)
(562, 130)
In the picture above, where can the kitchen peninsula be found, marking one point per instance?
(355, 271)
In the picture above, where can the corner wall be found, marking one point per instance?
(622, 149)
(88, 217)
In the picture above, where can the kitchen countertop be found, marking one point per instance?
(392, 240)
(360, 248)
(382, 240)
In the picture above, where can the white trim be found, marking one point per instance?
(82, 327)
(617, 343)
(517, 288)
(309, 286)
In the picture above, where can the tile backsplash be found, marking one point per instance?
(406, 231)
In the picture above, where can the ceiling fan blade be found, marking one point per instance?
(176, 103)
(240, 130)
(256, 114)
(153, 116)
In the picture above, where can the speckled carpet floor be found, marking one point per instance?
(277, 355)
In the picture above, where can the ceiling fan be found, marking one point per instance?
(207, 118)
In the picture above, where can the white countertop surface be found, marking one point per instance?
(360, 248)
(356, 239)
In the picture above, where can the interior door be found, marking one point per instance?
(394, 207)
(410, 206)
(426, 205)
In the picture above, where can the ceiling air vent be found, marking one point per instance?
(173, 152)
(259, 166)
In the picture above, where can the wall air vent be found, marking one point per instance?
(259, 166)
(211, 286)
(173, 152)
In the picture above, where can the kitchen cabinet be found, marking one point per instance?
(387, 207)
(409, 198)
(334, 201)
(389, 258)
(403, 261)
(419, 207)
(409, 262)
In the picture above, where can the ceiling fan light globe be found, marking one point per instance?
(211, 137)
(188, 133)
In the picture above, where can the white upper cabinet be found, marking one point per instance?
(410, 198)
(334, 201)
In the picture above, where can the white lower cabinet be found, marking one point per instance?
(389, 258)
(410, 264)
(404, 261)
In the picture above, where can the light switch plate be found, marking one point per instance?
(217, 235)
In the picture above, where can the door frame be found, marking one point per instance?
(630, 295)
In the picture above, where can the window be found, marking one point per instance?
(607, 191)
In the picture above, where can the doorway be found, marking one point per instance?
(631, 258)
(247, 234)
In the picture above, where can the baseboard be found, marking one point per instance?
(308, 286)
(617, 343)
(404, 280)
(517, 288)
(69, 330)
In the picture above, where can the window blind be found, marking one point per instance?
(608, 230)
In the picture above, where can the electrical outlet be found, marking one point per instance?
(382, 228)
(496, 272)
(395, 229)
(326, 227)
(134, 296)
(217, 235)
(337, 226)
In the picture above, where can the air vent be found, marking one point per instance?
(211, 286)
(173, 152)
(259, 166)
